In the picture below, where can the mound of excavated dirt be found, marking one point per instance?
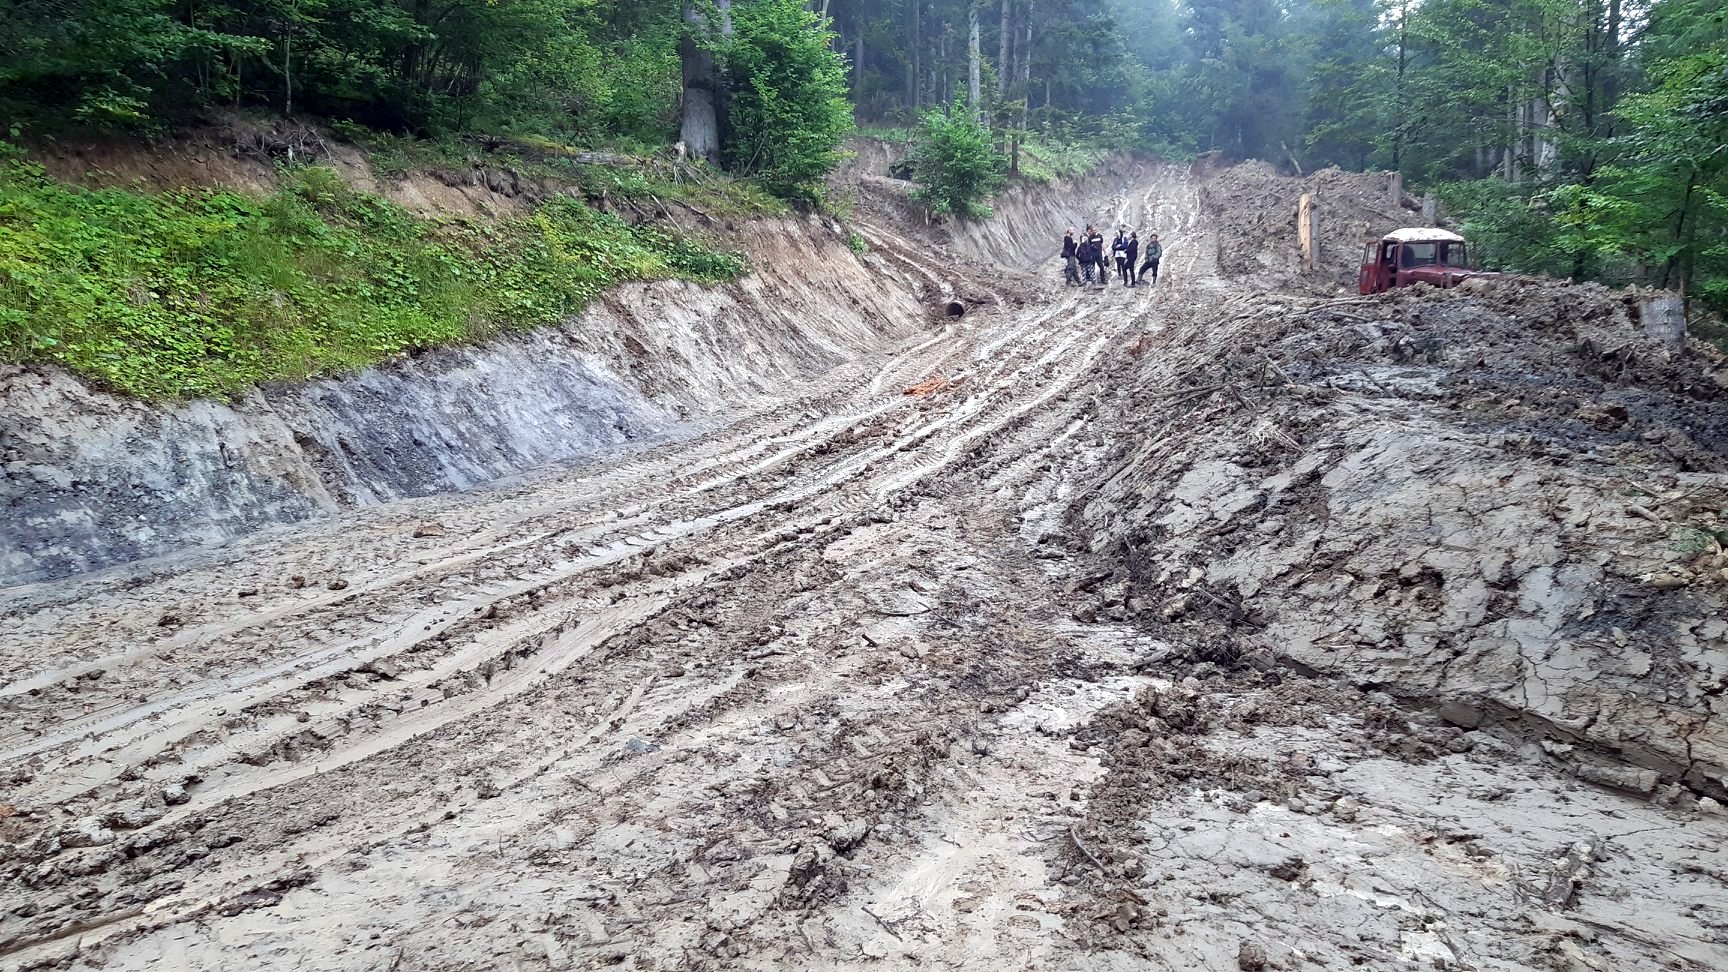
(1254, 209)
(1503, 502)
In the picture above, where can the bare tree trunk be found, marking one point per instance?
(1403, 64)
(1509, 164)
(1611, 79)
(944, 84)
(914, 62)
(1004, 70)
(700, 131)
(288, 73)
(288, 59)
(974, 68)
(1025, 86)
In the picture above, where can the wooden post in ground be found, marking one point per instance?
(1308, 232)
(1397, 190)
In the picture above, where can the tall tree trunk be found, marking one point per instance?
(700, 131)
(1399, 108)
(1686, 235)
(858, 61)
(1509, 164)
(942, 81)
(914, 60)
(1025, 84)
(974, 68)
(1611, 72)
(1004, 70)
(288, 61)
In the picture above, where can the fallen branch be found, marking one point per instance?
(1074, 835)
(884, 924)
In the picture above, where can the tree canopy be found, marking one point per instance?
(1581, 137)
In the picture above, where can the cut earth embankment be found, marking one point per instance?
(94, 479)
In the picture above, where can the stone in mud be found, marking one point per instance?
(383, 668)
(1712, 806)
(1461, 713)
(1628, 778)
(1250, 957)
(1134, 739)
(844, 835)
(1346, 809)
(428, 529)
(337, 585)
(900, 602)
(1290, 869)
(87, 832)
(174, 794)
(133, 817)
(249, 900)
(37, 849)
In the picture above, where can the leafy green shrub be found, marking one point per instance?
(788, 111)
(956, 165)
(208, 293)
(857, 244)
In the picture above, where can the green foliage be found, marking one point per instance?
(580, 70)
(1644, 202)
(1509, 227)
(857, 244)
(956, 165)
(1046, 161)
(787, 111)
(209, 293)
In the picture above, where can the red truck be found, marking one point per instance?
(1416, 255)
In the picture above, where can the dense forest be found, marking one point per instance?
(1580, 138)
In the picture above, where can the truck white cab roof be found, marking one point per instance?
(1422, 234)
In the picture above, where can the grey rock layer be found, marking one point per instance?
(90, 479)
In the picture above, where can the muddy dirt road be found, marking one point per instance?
(806, 690)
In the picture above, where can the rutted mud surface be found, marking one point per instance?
(988, 676)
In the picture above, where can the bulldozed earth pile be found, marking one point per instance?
(1202, 627)
(1455, 530)
(1255, 211)
(1502, 502)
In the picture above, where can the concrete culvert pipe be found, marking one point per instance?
(956, 309)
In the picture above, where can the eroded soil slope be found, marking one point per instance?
(986, 650)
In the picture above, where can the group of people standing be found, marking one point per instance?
(1086, 258)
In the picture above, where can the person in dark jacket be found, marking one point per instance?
(1133, 255)
(1071, 259)
(1088, 263)
(1095, 247)
(1119, 251)
(1154, 253)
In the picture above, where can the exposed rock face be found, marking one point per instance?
(92, 479)
(1508, 502)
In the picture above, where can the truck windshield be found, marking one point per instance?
(1432, 254)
